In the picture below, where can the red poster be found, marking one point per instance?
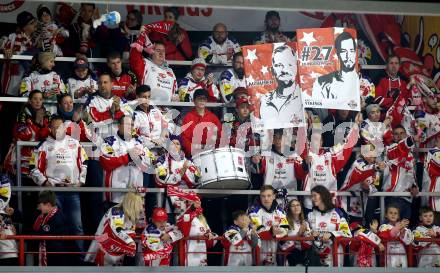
(271, 79)
(327, 59)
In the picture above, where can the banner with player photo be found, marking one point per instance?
(271, 79)
(327, 61)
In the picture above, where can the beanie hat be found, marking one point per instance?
(24, 18)
(41, 9)
(198, 62)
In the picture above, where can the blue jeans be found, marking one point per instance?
(69, 203)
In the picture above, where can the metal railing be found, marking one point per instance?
(159, 192)
(170, 62)
(181, 251)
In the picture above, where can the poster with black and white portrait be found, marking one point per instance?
(271, 79)
(327, 68)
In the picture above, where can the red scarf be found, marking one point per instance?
(41, 223)
(161, 27)
(185, 195)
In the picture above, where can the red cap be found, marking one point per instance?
(240, 101)
(160, 215)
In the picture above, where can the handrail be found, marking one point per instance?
(205, 191)
(336, 241)
(90, 144)
(170, 62)
(158, 103)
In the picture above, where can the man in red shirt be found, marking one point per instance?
(123, 80)
(390, 86)
(201, 129)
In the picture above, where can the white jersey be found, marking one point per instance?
(157, 252)
(332, 221)
(151, 124)
(124, 163)
(428, 253)
(187, 87)
(120, 232)
(215, 53)
(431, 177)
(168, 172)
(58, 160)
(359, 172)
(375, 133)
(265, 220)
(228, 82)
(396, 253)
(283, 171)
(290, 245)
(103, 120)
(399, 174)
(13, 70)
(325, 165)
(161, 80)
(238, 246)
(44, 82)
(77, 85)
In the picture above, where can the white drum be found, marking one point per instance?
(222, 168)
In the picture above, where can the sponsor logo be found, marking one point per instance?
(352, 104)
(11, 6)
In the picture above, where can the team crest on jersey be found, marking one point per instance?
(279, 165)
(290, 160)
(322, 225)
(320, 168)
(71, 145)
(334, 218)
(46, 228)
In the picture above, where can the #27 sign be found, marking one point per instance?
(327, 62)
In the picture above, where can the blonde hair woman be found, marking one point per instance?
(114, 237)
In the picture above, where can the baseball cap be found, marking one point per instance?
(272, 13)
(240, 101)
(159, 215)
(80, 63)
(200, 93)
